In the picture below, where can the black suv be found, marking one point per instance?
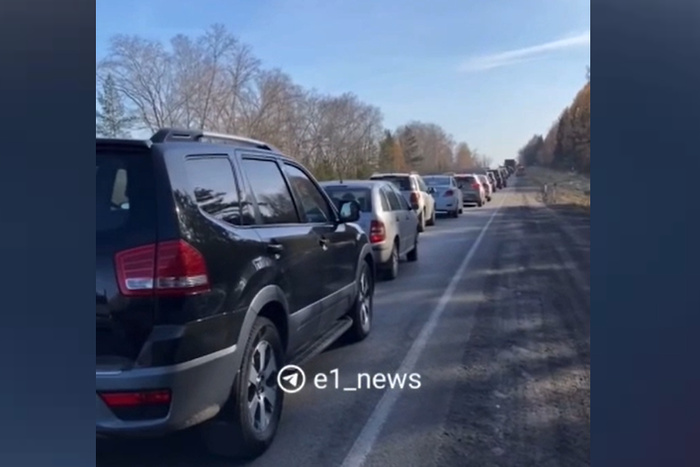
(500, 181)
(219, 260)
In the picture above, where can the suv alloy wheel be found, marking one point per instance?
(246, 425)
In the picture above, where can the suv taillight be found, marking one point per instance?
(448, 193)
(414, 197)
(377, 232)
(133, 399)
(167, 268)
(476, 186)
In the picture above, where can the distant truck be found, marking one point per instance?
(511, 165)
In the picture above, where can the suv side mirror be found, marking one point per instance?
(349, 211)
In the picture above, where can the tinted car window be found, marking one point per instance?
(271, 193)
(215, 188)
(394, 202)
(403, 204)
(403, 183)
(340, 194)
(313, 204)
(125, 193)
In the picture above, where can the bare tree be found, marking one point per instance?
(427, 146)
(213, 81)
(464, 158)
(142, 73)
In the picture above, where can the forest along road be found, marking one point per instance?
(497, 324)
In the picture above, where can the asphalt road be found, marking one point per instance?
(494, 317)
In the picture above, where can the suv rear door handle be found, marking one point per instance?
(274, 247)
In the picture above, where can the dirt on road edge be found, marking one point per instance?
(567, 191)
(525, 398)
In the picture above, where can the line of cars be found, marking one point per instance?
(396, 207)
(220, 260)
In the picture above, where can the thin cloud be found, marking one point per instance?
(512, 57)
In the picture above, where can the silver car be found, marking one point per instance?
(448, 196)
(416, 192)
(472, 190)
(486, 183)
(387, 218)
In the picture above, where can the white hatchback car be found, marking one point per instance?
(448, 196)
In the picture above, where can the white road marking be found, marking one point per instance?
(370, 432)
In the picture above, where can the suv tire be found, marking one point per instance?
(412, 255)
(421, 222)
(233, 432)
(362, 309)
(391, 270)
(431, 221)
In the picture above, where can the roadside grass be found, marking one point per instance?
(563, 188)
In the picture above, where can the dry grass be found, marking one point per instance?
(564, 188)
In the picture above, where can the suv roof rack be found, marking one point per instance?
(123, 143)
(175, 134)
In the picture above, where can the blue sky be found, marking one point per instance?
(490, 72)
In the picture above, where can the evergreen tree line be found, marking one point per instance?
(214, 82)
(567, 144)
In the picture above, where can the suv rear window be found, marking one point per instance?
(339, 194)
(125, 193)
(467, 179)
(403, 183)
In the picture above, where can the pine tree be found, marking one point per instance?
(112, 120)
(530, 153)
(386, 146)
(563, 154)
(411, 151)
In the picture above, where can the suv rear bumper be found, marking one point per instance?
(198, 389)
(471, 197)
